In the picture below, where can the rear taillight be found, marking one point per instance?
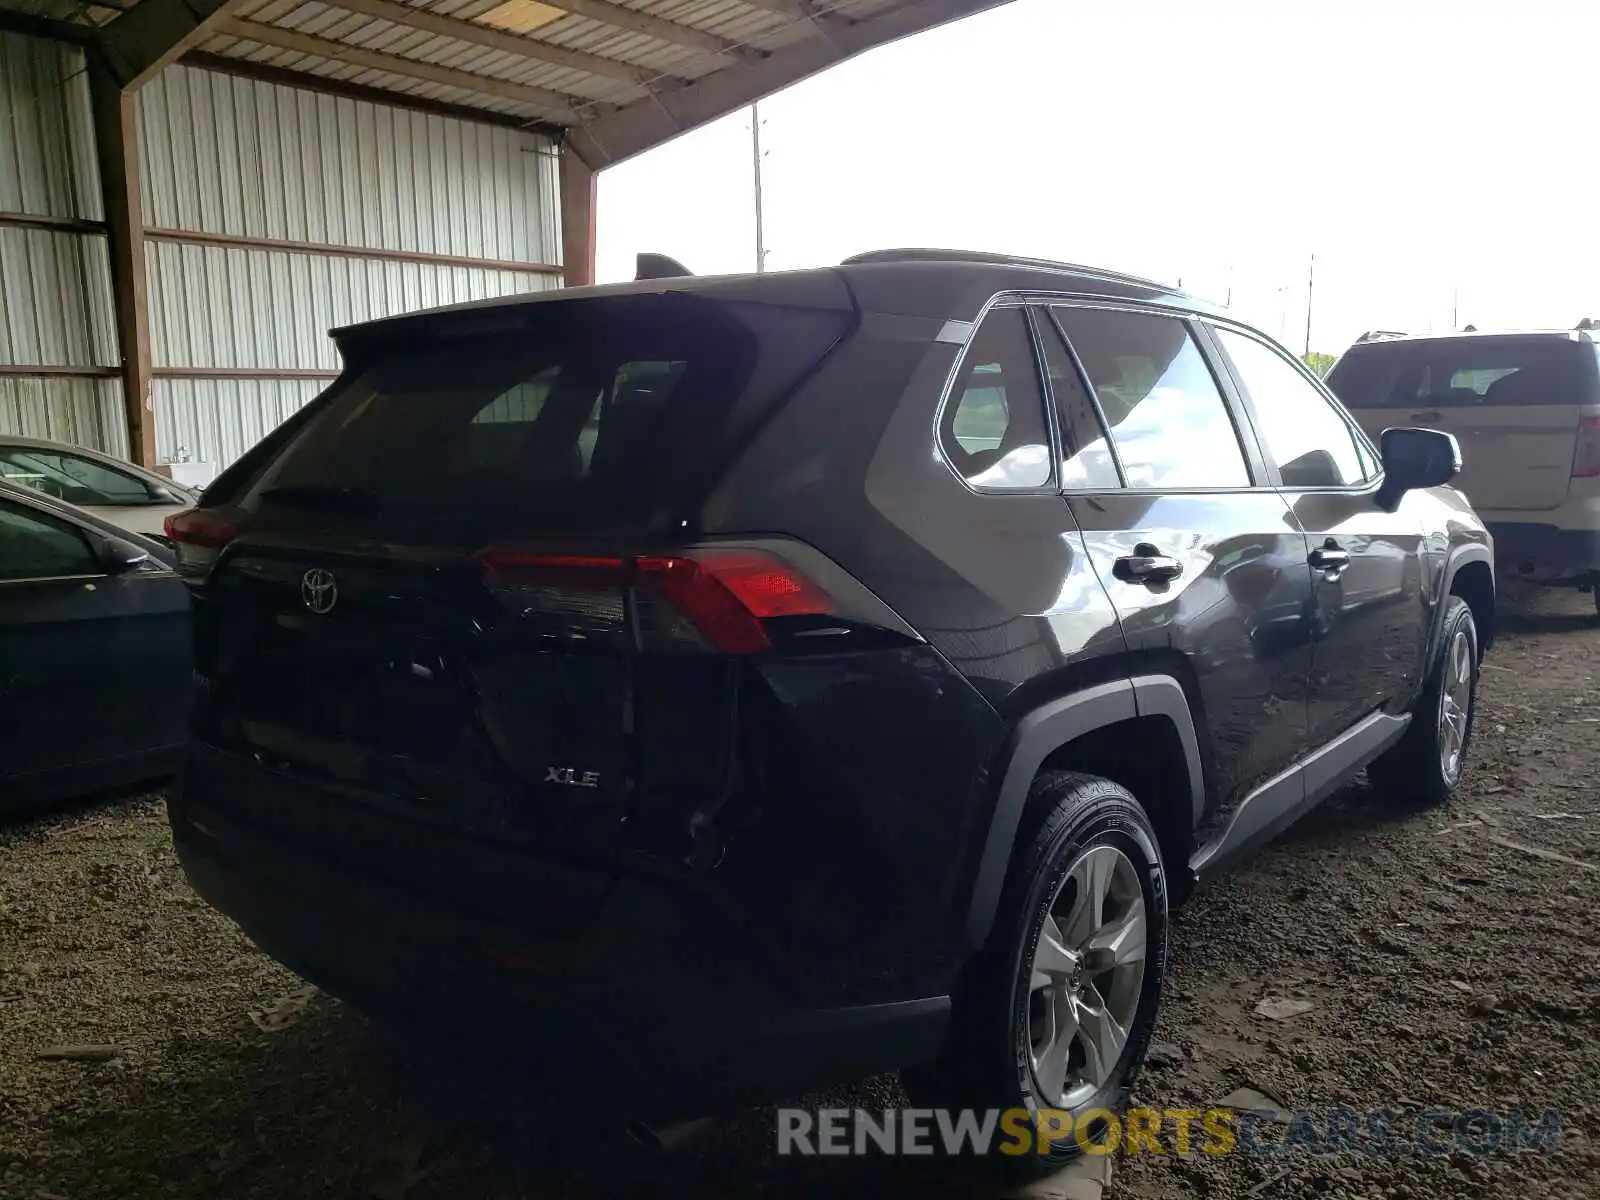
(199, 535)
(1586, 456)
(716, 599)
(727, 594)
(569, 599)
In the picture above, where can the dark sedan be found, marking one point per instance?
(95, 659)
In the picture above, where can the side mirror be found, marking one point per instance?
(120, 557)
(164, 495)
(1415, 458)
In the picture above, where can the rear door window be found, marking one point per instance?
(1087, 463)
(1493, 372)
(1169, 423)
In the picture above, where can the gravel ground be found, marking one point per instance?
(1450, 960)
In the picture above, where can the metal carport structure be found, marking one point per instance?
(595, 81)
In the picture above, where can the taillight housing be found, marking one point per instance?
(707, 598)
(1586, 454)
(198, 534)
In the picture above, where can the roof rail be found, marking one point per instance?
(1008, 260)
(1380, 335)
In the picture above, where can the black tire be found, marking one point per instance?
(1413, 771)
(987, 1063)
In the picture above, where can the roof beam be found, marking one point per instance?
(45, 27)
(154, 33)
(634, 128)
(495, 39)
(554, 106)
(782, 8)
(657, 27)
(326, 85)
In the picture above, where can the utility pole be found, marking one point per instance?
(1228, 303)
(1311, 282)
(755, 142)
(1455, 308)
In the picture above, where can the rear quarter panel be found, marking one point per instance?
(905, 749)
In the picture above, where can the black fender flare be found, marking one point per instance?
(1459, 556)
(1045, 730)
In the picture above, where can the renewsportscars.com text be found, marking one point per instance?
(1378, 1132)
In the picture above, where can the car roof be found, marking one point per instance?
(33, 443)
(1464, 335)
(946, 284)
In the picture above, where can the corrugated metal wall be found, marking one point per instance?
(58, 350)
(274, 214)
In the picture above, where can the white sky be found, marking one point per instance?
(1415, 146)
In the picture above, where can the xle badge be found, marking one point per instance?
(572, 777)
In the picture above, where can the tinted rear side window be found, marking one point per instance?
(993, 429)
(596, 413)
(1493, 371)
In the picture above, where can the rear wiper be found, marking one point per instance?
(324, 496)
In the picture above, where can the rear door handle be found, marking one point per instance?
(1147, 565)
(1426, 416)
(1329, 558)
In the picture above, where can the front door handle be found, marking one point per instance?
(1147, 565)
(1329, 558)
(1426, 416)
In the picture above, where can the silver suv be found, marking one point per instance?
(1526, 410)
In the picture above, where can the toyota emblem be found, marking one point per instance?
(319, 590)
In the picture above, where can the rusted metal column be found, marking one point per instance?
(117, 152)
(577, 219)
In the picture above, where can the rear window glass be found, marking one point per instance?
(1498, 372)
(596, 413)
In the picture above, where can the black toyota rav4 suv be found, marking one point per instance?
(763, 681)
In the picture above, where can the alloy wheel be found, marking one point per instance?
(1455, 706)
(1086, 977)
